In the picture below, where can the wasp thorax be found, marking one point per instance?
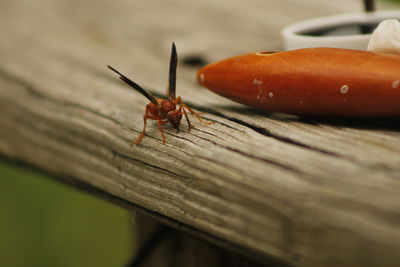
(166, 106)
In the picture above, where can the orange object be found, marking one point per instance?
(311, 81)
(163, 110)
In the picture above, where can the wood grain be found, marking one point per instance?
(309, 192)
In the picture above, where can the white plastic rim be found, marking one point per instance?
(293, 40)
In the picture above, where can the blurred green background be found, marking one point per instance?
(46, 223)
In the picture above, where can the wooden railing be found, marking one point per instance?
(278, 188)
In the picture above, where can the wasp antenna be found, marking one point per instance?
(134, 85)
(172, 73)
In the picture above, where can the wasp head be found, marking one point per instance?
(174, 117)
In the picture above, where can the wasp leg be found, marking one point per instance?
(182, 111)
(196, 114)
(160, 122)
(187, 118)
(140, 137)
(142, 134)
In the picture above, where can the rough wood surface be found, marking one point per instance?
(306, 192)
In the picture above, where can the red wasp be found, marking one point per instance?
(163, 110)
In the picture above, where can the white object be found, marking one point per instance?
(294, 35)
(386, 37)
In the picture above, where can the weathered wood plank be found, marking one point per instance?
(308, 192)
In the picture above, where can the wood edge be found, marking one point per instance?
(264, 259)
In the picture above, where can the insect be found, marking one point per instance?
(311, 81)
(163, 110)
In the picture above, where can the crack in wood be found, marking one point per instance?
(155, 167)
(287, 140)
(282, 166)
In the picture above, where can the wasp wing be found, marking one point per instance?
(134, 85)
(172, 73)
